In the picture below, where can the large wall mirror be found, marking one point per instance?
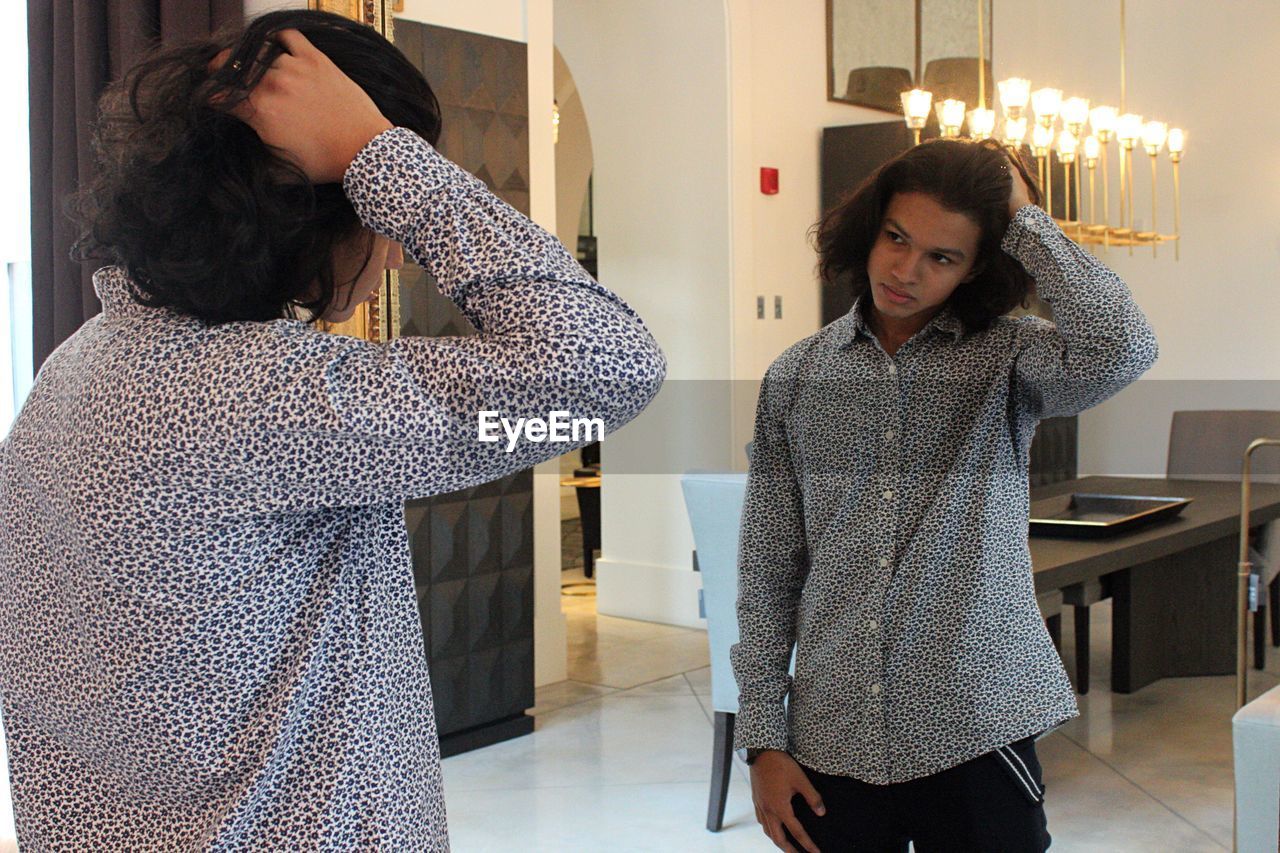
(877, 49)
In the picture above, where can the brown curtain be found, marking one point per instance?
(76, 47)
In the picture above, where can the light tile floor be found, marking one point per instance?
(620, 756)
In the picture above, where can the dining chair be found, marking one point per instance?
(714, 503)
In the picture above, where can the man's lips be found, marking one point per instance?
(895, 294)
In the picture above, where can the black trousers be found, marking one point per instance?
(993, 803)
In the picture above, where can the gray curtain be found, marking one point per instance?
(76, 47)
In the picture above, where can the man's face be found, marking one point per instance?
(922, 254)
(354, 285)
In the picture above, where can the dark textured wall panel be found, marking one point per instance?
(473, 550)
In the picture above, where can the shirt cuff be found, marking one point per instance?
(1036, 242)
(760, 727)
(388, 179)
(1030, 224)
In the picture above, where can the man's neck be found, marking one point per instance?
(892, 332)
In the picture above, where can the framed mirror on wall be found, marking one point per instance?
(377, 319)
(472, 550)
(877, 49)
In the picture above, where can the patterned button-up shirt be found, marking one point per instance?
(884, 531)
(209, 637)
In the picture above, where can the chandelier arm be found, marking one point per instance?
(1155, 232)
(1123, 110)
(1177, 223)
(1106, 203)
(982, 61)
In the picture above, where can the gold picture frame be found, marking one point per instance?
(379, 318)
(933, 45)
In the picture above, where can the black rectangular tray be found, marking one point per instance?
(1089, 516)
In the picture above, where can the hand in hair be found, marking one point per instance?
(306, 107)
(1019, 195)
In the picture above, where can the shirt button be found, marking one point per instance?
(888, 494)
(888, 434)
(875, 690)
(893, 369)
(873, 625)
(884, 562)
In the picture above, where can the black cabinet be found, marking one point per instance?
(473, 550)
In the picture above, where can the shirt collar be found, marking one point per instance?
(115, 291)
(852, 324)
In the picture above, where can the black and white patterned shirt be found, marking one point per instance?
(884, 531)
(209, 637)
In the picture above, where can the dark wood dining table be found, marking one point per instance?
(1172, 583)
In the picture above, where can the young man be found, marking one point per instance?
(884, 533)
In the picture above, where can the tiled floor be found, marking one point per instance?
(620, 758)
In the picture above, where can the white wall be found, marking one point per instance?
(574, 160)
(1216, 312)
(529, 21)
(550, 631)
(686, 101)
(653, 78)
(779, 68)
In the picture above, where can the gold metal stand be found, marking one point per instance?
(1246, 568)
(1244, 571)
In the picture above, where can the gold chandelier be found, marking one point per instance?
(1072, 148)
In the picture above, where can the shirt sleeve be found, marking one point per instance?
(354, 422)
(773, 561)
(1099, 341)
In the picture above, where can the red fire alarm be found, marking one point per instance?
(768, 180)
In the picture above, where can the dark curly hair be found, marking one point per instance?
(971, 178)
(204, 217)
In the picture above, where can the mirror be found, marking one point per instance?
(877, 49)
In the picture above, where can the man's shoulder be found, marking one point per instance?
(806, 354)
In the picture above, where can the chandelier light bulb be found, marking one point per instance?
(1041, 140)
(1177, 142)
(1013, 96)
(915, 107)
(1067, 145)
(950, 116)
(1103, 121)
(981, 123)
(1092, 150)
(1075, 112)
(1129, 129)
(1015, 130)
(1047, 103)
(1153, 136)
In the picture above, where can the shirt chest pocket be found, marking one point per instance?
(841, 430)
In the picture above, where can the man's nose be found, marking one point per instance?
(904, 268)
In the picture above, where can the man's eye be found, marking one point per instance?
(942, 259)
(894, 236)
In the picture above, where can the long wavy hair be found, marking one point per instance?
(203, 216)
(970, 178)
